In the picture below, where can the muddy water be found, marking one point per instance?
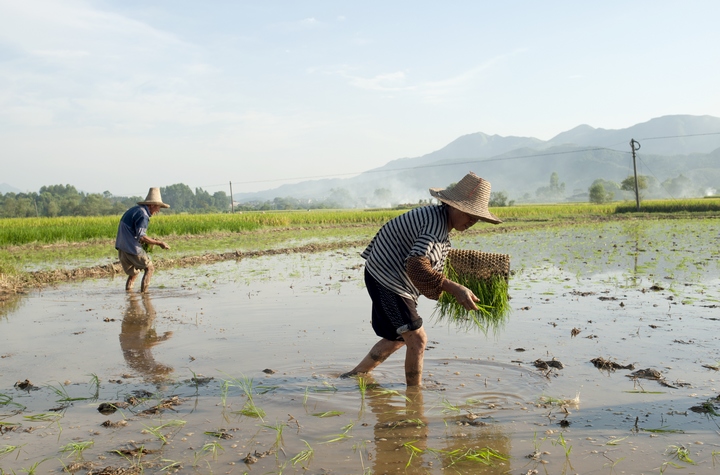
(233, 368)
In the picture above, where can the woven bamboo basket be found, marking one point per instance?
(486, 274)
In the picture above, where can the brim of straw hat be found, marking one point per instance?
(482, 213)
(158, 203)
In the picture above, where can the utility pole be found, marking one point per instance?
(635, 146)
(232, 204)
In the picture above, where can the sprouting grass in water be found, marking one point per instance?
(33, 468)
(6, 400)
(390, 392)
(615, 441)
(157, 431)
(278, 428)
(328, 414)
(680, 452)
(212, 448)
(663, 430)
(250, 409)
(563, 443)
(341, 436)
(63, 395)
(304, 456)
(8, 449)
(485, 456)
(76, 449)
(413, 450)
(448, 407)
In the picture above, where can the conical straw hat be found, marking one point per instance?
(153, 198)
(471, 195)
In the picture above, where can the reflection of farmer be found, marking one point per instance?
(131, 238)
(398, 425)
(138, 336)
(406, 259)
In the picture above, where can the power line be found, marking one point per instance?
(460, 162)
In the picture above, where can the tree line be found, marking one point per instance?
(66, 200)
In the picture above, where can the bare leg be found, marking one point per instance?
(415, 341)
(130, 282)
(146, 278)
(379, 353)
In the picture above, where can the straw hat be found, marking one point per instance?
(471, 195)
(153, 198)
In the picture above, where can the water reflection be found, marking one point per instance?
(403, 443)
(10, 303)
(401, 431)
(138, 336)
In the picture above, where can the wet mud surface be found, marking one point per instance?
(608, 364)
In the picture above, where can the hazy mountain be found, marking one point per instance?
(5, 188)
(670, 146)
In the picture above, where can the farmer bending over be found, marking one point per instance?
(406, 258)
(131, 238)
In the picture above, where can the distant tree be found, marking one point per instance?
(598, 193)
(628, 184)
(179, 196)
(680, 187)
(554, 191)
(498, 198)
(340, 198)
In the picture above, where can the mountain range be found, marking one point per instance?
(670, 147)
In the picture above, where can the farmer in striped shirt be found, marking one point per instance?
(405, 259)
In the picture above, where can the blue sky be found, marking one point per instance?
(121, 95)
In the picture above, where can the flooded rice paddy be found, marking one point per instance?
(608, 364)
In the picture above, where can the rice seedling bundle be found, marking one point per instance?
(486, 274)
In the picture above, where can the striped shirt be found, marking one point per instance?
(421, 232)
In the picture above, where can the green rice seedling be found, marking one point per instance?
(680, 452)
(389, 392)
(304, 457)
(326, 387)
(485, 456)
(76, 449)
(448, 407)
(412, 450)
(714, 454)
(251, 410)
(95, 383)
(33, 468)
(615, 441)
(343, 435)
(663, 430)
(486, 275)
(212, 448)
(328, 414)
(63, 395)
(6, 400)
(157, 431)
(667, 464)
(278, 428)
(563, 443)
(170, 465)
(8, 449)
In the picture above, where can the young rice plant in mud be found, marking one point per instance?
(157, 431)
(76, 449)
(304, 456)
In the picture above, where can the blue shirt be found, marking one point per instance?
(133, 225)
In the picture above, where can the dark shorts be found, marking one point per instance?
(132, 264)
(392, 315)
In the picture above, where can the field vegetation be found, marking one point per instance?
(31, 248)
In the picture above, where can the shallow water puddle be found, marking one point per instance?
(233, 367)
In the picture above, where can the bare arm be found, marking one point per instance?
(155, 242)
(462, 294)
(432, 283)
